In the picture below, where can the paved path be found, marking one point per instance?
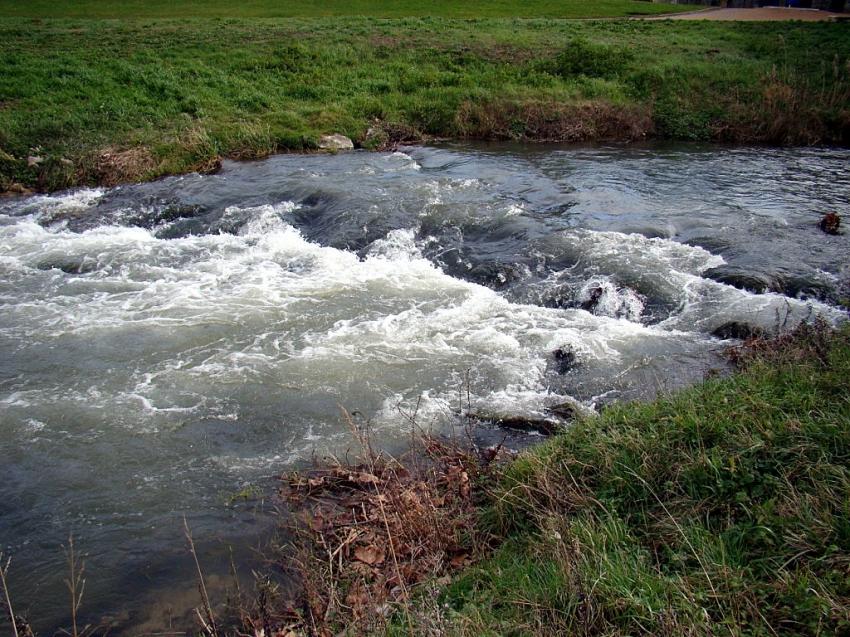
(766, 13)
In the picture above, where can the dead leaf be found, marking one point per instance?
(371, 554)
(363, 478)
(461, 559)
(358, 596)
(361, 569)
(464, 484)
(316, 522)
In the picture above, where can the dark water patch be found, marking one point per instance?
(742, 279)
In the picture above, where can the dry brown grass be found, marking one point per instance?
(113, 166)
(368, 536)
(388, 136)
(793, 110)
(552, 122)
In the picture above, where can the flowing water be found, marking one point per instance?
(164, 345)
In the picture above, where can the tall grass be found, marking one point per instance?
(724, 509)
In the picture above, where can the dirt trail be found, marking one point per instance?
(765, 14)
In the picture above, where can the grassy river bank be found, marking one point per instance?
(94, 93)
(721, 509)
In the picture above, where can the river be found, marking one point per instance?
(166, 346)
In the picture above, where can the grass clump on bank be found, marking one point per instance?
(86, 102)
(724, 509)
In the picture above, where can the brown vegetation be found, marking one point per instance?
(113, 166)
(766, 14)
(366, 534)
(553, 122)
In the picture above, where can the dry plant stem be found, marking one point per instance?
(362, 439)
(208, 623)
(395, 561)
(76, 584)
(4, 568)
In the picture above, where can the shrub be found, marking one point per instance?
(592, 59)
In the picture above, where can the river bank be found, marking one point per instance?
(721, 505)
(166, 345)
(101, 102)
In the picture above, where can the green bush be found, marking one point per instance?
(592, 59)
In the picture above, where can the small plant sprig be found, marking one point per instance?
(4, 569)
(76, 585)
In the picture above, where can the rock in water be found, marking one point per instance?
(830, 223)
(592, 299)
(17, 189)
(565, 359)
(335, 142)
(739, 331)
(519, 422)
(565, 411)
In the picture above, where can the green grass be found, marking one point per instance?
(104, 101)
(724, 509)
(101, 9)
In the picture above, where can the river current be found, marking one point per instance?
(163, 346)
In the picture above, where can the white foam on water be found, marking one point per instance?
(76, 201)
(34, 425)
(672, 270)
(400, 161)
(643, 254)
(189, 327)
(607, 299)
(165, 331)
(398, 245)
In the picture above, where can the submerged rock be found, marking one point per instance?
(565, 411)
(335, 142)
(603, 297)
(497, 275)
(547, 424)
(590, 302)
(565, 359)
(736, 330)
(530, 423)
(830, 223)
(750, 281)
(69, 265)
(170, 213)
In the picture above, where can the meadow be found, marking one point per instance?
(103, 101)
(469, 9)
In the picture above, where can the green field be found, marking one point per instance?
(724, 509)
(466, 9)
(106, 101)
